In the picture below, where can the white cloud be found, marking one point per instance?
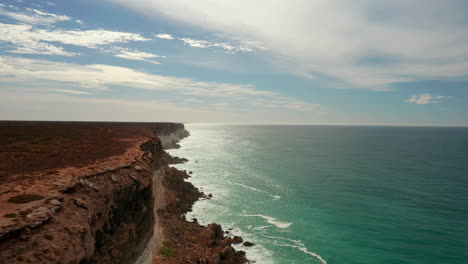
(20, 71)
(164, 36)
(135, 55)
(41, 48)
(230, 48)
(359, 44)
(71, 91)
(196, 43)
(426, 99)
(27, 39)
(32, 16)
(241, 45)
(51, 3)
(79, 21)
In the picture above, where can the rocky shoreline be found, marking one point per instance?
(112, 208)
(189, 242)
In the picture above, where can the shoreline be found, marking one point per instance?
(190, 240)
(105, 188)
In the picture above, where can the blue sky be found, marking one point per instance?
(310, 62)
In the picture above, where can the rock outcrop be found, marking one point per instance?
(123, 204)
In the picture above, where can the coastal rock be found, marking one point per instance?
(80, 203)
(133, 178)
(112, 205)
(41, 213)
(173, 159)
(55, 202)
(218, 231)
(227, 241)
(227, 253)
(237, 240)
(114, 178)
(89, 184)
(207, 236)
(248, 244)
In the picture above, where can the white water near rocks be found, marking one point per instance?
(240, 194)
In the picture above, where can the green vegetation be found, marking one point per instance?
(167, 252)
(167, 244)
(183, 229)
(25, 198)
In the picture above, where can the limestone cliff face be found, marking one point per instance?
(126, 207)
(105, 214)
(171, 140)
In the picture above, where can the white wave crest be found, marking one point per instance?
(275, 197)
(272, 220)
(261, 227)
(297, 244)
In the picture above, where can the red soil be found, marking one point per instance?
(30, 147)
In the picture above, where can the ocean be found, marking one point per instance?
(334, 194)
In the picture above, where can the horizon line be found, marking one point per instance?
(239, 123)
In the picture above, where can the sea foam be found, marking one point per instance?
(275, 197)
(272, 220)
(296, 244)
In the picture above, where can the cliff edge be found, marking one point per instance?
(77, 192)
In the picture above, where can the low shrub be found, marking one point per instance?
(167, 252)
(25, 198)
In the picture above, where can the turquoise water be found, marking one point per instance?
(324, 194)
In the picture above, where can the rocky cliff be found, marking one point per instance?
(100, 193)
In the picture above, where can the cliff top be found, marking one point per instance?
(27, 148)
(41, 159)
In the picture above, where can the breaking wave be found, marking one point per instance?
(275, 197)
(272, 220)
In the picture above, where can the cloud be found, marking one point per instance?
(196, 43)
(20, 71)
(79, 21)
(30, 40)
(364, 44)
(426, 99)
(71, 91)
(230, 48)
(135, 55)
(241, 45)
(32, 16)
(164, 36)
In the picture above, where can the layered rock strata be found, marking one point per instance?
(99, 193)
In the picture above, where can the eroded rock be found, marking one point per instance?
(237, 240)
(89, 184)
(248, 244)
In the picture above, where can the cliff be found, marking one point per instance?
(99, 193)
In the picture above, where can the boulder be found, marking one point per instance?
(219, 234)
(248, 244)
(207, 234)
(89, 184)
(227, 253)
(114, 178)
(237, 240)
(55, 202)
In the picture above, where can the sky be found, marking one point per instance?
(336, 62)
